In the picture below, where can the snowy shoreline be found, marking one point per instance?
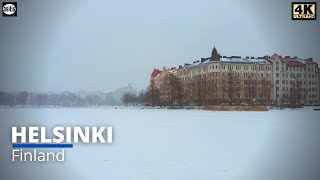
(226, 108)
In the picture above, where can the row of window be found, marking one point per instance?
(238, 96)
(224, 67)
(303, 96)
(292, 82)
(299, 69)
(285, 75)
(245, 74)
(302, 89)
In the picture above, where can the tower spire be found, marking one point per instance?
(214, 55)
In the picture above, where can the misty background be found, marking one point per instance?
(55, 46)
(103, 45)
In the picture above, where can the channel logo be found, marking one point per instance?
(9, 9)
(304, 11)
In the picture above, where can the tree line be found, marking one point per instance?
(65, 99)
(170, 93)
(201, 90)
(296, 94)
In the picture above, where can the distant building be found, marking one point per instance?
(214, 55)
(157, 75)
(267, 79)
(295, 79)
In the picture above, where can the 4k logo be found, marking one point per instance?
(304, 11)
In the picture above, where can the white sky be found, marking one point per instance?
(103, 45)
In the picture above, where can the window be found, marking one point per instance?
(277, 74)
(277, 81)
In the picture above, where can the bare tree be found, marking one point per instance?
(171, 90)
(199, 89)
(142, 97)
(187, 92)
(291, 96)
(177, 91)
(166, 91)
(210, 92)
(296, 91)
(250, 87)
(153, 94)
(127, 98)
(231, 85)
(266, 89)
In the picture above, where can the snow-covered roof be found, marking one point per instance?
(173, 70)
(229, 60)
(244, 60)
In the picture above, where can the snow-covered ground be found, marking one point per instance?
(175, 144)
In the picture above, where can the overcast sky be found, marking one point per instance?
(102, 45)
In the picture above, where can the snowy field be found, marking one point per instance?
(152, 144)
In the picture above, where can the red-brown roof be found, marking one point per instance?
(292, 62)
(273, 57)
(154, 73)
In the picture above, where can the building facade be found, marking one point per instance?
(295, 80)
(250, 80)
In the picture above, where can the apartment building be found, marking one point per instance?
(262, 80)
(295, 80)
(251, 74)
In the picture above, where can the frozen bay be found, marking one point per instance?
(175, 144)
